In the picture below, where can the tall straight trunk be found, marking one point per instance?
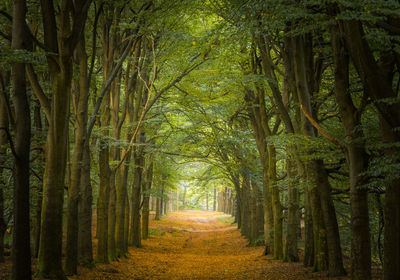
(85, 247)
(308, 231)
(104, 188)
(268, 215)
(253, 210)
(304, 94)
(60, 40)
(3, 152)
(357, 160)
(49, 264)
(335, 259)
(276, 204)
(3, 226)
(112, 253)
(207, 201)
(146, 200)
(81, 116)
(229, 201)
(226, 199)
(177, 200)
(256, 109)
(122, 176)
(319, 230)
(392, 226)
(291, 250)
(21, 253)
(120, 211)
(236, 184)
(107, 194)
(115, 156)
(37, 123)
(378, 82)
(122, 200)
(158, 209)
(126, 225)
(135, 233)
(215, 199)
(184, 198)
(162, 201)
(245, 207)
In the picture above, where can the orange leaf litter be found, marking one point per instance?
(196, 245)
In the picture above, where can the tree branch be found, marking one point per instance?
(37, 89)
(321, 130)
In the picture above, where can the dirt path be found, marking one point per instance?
(196, 245)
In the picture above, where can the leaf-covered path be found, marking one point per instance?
(196, 245)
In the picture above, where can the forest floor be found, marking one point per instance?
(194, 245)
(197, 245)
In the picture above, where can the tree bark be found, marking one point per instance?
(146, 200)
(4, 124)
(357, 160)
(293, 216)
(215, 199)
(135, 232)
(21, 253)
(378, 87)
(60, 40)
(85, 248)
(81, 116)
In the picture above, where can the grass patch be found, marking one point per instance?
(156, 232)
(227, 220)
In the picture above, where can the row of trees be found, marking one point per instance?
(291, 107)
(92, 67)
(316, 85)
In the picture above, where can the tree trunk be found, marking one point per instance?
(245, 206)
(85, 248)
(135, 232)
(3, 153)
(39, 199)
(21, 253)
(146, 201)
(276, 204)
(304, 94)
(115, 156)
(293, 214)
(335, 259)
(103, 203)
(253, 208)
(308, 232)
(378, 87)
(58, 41)
(177, 200)
(357, 160)
(126, 226)
(81, 116)
(158, 209)
(184, 198)
(215, 199)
